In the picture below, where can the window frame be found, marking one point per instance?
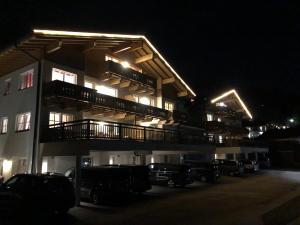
(25, 83)
(2, 130)
(169, 103)
(25, 123)
(63, 73)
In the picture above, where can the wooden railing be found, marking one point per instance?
(66, 90)
(94, 129)
(130, 74)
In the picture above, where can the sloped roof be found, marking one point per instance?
(228, 95)
(37, 42)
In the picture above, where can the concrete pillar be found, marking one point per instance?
(77, 179)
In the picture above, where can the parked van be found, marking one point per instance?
(170, 174)
(104, 183)
(205, 171)
(230, 167)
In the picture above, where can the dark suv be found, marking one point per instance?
(170, 174)
(108, 182)
(204, 171)
(42, 193)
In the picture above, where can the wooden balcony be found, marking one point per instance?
(90, 98)
(94, 129)
(129, 74)
(89, 129)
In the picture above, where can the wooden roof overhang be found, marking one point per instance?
(137, 47)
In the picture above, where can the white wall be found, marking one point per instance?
(17, 146)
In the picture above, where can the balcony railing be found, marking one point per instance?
(130, 74)
(94, 129)
(78, 93)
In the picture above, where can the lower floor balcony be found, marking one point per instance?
(90, 129)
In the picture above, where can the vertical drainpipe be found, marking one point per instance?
(37, 111)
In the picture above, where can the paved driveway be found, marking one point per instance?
(231, 201)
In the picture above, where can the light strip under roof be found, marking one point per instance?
(126, 36)
(237, 96)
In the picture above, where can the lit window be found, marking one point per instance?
(56, 118)
(144, 100)
(7, 86)
(65, 76)
(3, 125)
(219, 120)
(88, 84)
(220, 139)
(169, 106)
(23, 121)
(26, 79)
(221, 104)
(209, 117)
(107, 90)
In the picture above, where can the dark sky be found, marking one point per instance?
(254, 48)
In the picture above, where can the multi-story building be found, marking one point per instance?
(224, 127)
(103, 98)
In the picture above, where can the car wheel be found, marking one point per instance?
(62, 211)
(203, 179)
(171, 183)
(95, 197)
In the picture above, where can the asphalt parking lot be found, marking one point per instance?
(270, 197)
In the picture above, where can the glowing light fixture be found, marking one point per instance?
(291, 120)
(126, 36)
(152, 159)
(237, 96)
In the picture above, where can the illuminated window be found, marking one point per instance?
(219, 120)
(169, 106)
(88, 84)
(56, 118)
(220, 139)
(221, 104)
(23, 121)
(7, 86)
(3, 125)
(209, 117)
(65, 76)
(106, 90)
(26, 79)
(144, 100)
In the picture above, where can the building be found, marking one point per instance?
(91, 98)
(224, 127)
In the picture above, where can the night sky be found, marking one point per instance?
(254, 48)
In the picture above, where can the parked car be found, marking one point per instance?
(104, 183)
(204, 171)
(170, 174)
(250, 166)
(230, 167)
(36, 193)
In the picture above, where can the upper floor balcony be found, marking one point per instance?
(128, 74)
(91, 98)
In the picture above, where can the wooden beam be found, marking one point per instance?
(144, 58)
(133, 88)
(168, 80)
(124, 84)
(120, 115)
(54, 46)
(115, 81)
(127, 47)
(182, 94)
(91, 45)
